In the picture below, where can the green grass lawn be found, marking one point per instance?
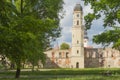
(64, 74)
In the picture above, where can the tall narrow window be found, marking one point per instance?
(77, 42)
(77, 15)
(77, 22)
(77, 51)
(60, 55)
(67, 54)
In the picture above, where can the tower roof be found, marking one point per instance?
(78, 7)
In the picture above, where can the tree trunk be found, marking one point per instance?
(17, 73)
(33, 68)
(12, 66)
(21, 6)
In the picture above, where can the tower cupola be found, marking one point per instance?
(78, 7)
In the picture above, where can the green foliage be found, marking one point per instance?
(64, 46)
(117, 45)
(27, 27)
(110, 11)
(1, 66)
(108, 37)
(109, 8)
(63, 74)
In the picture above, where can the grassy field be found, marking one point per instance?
(65, 74)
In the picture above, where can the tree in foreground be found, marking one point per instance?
(110, 11)
(64, 46)
(27, 27)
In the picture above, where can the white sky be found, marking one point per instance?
(66, 23)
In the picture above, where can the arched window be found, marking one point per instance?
(77, 15)
(67, 54)
(77, 42)
(60, 55)
(77, 22)
(77, 51)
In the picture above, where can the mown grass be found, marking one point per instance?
(65, 74)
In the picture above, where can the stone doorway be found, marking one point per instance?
(77, 65)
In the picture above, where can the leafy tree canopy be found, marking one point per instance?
(64, 46)
(27, 27)
(108, 8)
(110, 11)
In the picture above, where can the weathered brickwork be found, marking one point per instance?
(98, 57)
(93, 58)
(58, 58)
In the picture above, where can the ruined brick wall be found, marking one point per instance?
(98, 57)
(91, 58)
(58, 59)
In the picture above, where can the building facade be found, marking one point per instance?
(80, 55)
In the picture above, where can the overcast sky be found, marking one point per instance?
(67, 22)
